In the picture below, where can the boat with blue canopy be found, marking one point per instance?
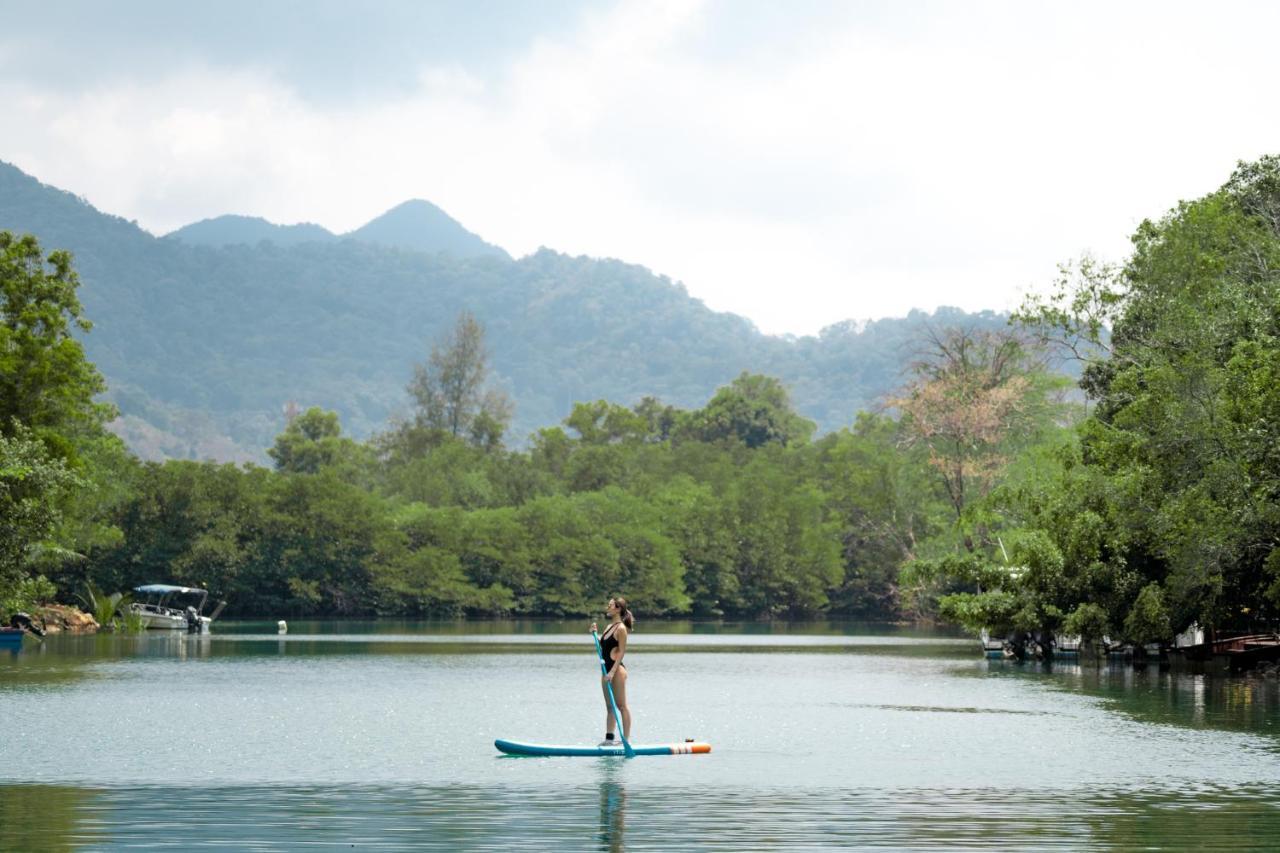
(172, 607)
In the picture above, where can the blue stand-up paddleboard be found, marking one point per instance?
(624, 749)
(513, 748)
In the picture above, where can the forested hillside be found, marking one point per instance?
(416, 225)
(983, 496)
(1163, 511)
(203, 346)
(230, 229)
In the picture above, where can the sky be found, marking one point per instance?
(798, 163)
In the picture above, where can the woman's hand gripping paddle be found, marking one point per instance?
(608, 686)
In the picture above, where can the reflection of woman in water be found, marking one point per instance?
(613, 644)
(613, 809)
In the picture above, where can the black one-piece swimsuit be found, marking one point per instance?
(608, 643)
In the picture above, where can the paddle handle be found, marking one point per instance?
(608, 686)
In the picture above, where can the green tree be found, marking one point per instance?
(449, 473)
(449, 390)
(698, 523)
(647, 568)
(978, 405)
(47, 388)
(32, 482)
(1148, 621)
(884, 498)
(788, 554)
(430, 576)
(46, 383)
(571, 561)
(313, 441)
(603, 422)
(1167, 512)
(324, 544)
(753, 409)
(197, 524)
(660, 421)
(108, 477)
(975, 396)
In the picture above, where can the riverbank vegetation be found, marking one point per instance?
(1161, 511)
(989, 491)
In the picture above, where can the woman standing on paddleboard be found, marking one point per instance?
(613, 645)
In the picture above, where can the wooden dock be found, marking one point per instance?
(1232, 653)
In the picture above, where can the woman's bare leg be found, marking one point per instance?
(609, 725)
(620, 696)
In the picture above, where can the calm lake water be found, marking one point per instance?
(380, 736)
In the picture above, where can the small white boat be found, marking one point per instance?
(992, 647)
(1193, 636)
(162, 606)
(1066, 645)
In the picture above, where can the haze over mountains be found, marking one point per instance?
(416, 225)
(206, 334)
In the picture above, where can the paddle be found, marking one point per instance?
(608, 686)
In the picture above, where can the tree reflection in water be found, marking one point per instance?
(46, 817)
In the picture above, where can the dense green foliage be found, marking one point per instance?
(204, 345)
(983, 496)
(1164, 510)
(46, 383)
(450, 526)
(50, 426)
(32, 484)
(450, 394)
(728, 509)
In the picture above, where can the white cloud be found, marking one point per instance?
(868, 168)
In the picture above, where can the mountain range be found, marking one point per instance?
(207, 334)
(416, 225)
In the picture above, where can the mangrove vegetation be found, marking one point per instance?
(990, 490)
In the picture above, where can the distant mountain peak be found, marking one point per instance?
(416, 225)
(420, 226)
(417, 206)
(201, 348)
(231, 229)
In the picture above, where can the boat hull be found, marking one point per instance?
(167, 621)
(516, 748)
(11, 638)
(170, 623)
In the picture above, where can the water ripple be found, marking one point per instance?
(607, 816)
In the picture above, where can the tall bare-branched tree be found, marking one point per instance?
(970, 392)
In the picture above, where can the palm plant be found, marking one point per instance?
(105, 608)
(131, 621)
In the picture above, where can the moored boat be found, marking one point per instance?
(1066, 645)
(162, 607)
(992, 647)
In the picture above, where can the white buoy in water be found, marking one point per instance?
(282, 627)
